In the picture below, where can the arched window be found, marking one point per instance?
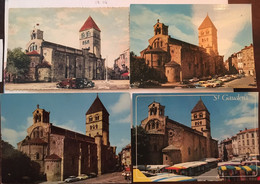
(96, 117)
(90, 118)
(201, 115)
(195, 116)
(88, 34)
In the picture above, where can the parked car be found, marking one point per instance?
(64, 83)
(75, 83)
(71, 179)
(194, 79)
(83, 177)
(92, 175)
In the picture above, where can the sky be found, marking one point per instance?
(66, 111)
(227, 117)
(233, 23)
(62, 25)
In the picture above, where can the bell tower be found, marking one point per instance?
(208, 36)
(89, 37)
(200, 119)
(41, 116)
(36, 40)
(97, 121)
(160, 28)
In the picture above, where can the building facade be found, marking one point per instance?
(121, 65)
(179, 60)
(242, 62)
(125, 156)
(61, 153)
(171, 142)
(53, 62)
(243, 144)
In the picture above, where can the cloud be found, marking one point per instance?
(224, 17)
(122, 105)
(126, 120)
(122, 143)
(12, 136)
(69, 125)
(3, 120)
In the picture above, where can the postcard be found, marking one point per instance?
(66, 137)
(191, 46)
(52, 49)
(195, 137)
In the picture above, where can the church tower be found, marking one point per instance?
(160, 29)
(89, 37)
(41, 116)
(97, 121)
(200, 119)
(155, 122)
(208, 36)
(34, 45)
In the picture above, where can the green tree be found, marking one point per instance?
(17, 64)
(16, 166)
(142, 145)
(140, 72)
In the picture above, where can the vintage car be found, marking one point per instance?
(71, 179)
(75, 83)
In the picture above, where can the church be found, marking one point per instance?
(52, 62)
(171, 142)
(61, 153)
(179, 60)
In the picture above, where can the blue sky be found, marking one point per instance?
(62, 25)
(233, 22)
(227, 117)
(67, 111)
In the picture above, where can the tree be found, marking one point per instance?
(140, 72)
(16, 166)
(142, 146)
(17, 64)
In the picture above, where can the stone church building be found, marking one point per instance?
(62, 153)
(171, 142)
(179, 60)
(54, 62)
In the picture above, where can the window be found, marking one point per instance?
(253, 141)
(247, 142)
(90, 118)
(252, 135)
(243, 136)
(201, 115)
(189, 150)
(246, 135)
(37, 156)
(195, 116)
(82, 35)
(88, 34)
(97, 117)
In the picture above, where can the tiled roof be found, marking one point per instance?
(206, 23)
(90, 23)
(97, 106)
(34, 52)
(248, 130)
(34, 141)
(200, 106)
(172, 63)
(53, 157)
(169, 148)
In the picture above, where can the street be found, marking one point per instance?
(115, 177)
(241, 83)
(211, 175)
(50, 87)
